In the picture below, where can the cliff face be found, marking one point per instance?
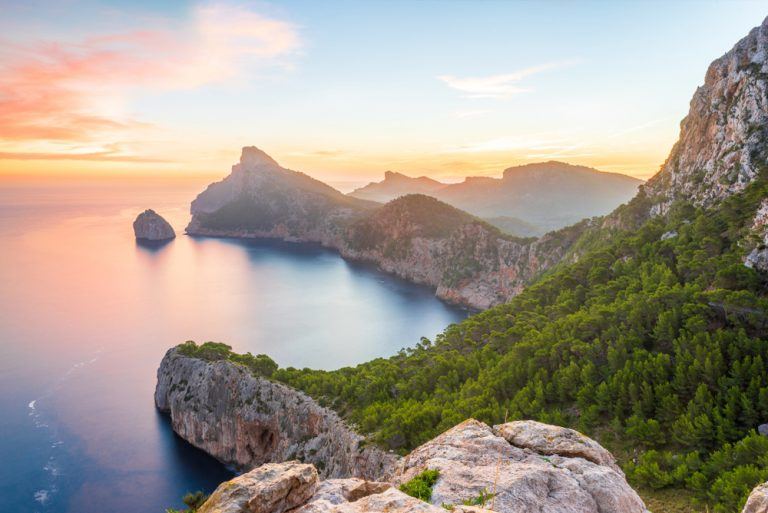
(246, 421)
(723, 142)
(513, 468)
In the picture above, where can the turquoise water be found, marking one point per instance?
(86, 315)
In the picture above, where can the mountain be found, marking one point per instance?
(395, 185)
(262, 199)
(545, 196)
(550, 195)
(417, 237)
(723, 144)
(647, 331)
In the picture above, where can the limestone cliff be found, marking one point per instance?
(245, 421)
(757, 502)
(513, 468)
(723, 143)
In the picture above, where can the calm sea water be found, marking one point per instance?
(86, 315)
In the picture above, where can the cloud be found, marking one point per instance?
(78, 92)
(498, 86)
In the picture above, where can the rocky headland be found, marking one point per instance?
(245, 420)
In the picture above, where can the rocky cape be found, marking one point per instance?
(416, 237)
(245, 420)
(516, 467)
(151, 226)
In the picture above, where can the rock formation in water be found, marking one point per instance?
(245, 421)
(150, 226)
(517, 467)
(723, 143)
(757, 502)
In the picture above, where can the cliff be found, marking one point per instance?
(723, 144)
(245, 420)
(512, 468)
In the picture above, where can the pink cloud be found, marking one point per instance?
(76, 92)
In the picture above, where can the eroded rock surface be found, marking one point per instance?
(758, 257)
(246, 421)
(723, 143)
(472, 458)
(757, 502)
(150, 226)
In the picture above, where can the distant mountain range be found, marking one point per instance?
(528, 200)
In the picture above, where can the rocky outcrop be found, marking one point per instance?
(473, 460)
(757, 502)
(271, 488)
(246, 421)
(758, 257)
(544, 473)
(723, 144)
(150, 226)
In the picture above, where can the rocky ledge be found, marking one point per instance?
(757, 502)
(245, 420)
(518, 467)
(150, 226)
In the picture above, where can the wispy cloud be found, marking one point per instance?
(77, 93)
(499, 86)
(533, 143)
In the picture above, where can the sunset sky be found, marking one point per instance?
(346, 90)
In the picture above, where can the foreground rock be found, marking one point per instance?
(757, 502)
(150, 226)
(472, 458)
(246, 421)
(758, 257)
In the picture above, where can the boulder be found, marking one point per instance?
(757, 502)
(271, 488)
(545, 472)
(150, 226)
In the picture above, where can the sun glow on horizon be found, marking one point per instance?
(141, 90)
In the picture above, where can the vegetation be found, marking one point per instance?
(653, 342)
(193, 500)
(421, 485)
(653, 345)
(259, 365)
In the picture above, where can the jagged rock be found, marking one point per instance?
(758, 257)
(723, 142)
(245, 421)
(548, 439)
(473, 458)
(271, 488)
(757, 502)
(150, 226)
(669, 235)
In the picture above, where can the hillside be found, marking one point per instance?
(395, 185)
(541, 197)
(650, 337)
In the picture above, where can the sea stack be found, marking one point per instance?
(150, 226)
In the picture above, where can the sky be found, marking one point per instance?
(347, 90)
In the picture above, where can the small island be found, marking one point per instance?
(150, 226)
